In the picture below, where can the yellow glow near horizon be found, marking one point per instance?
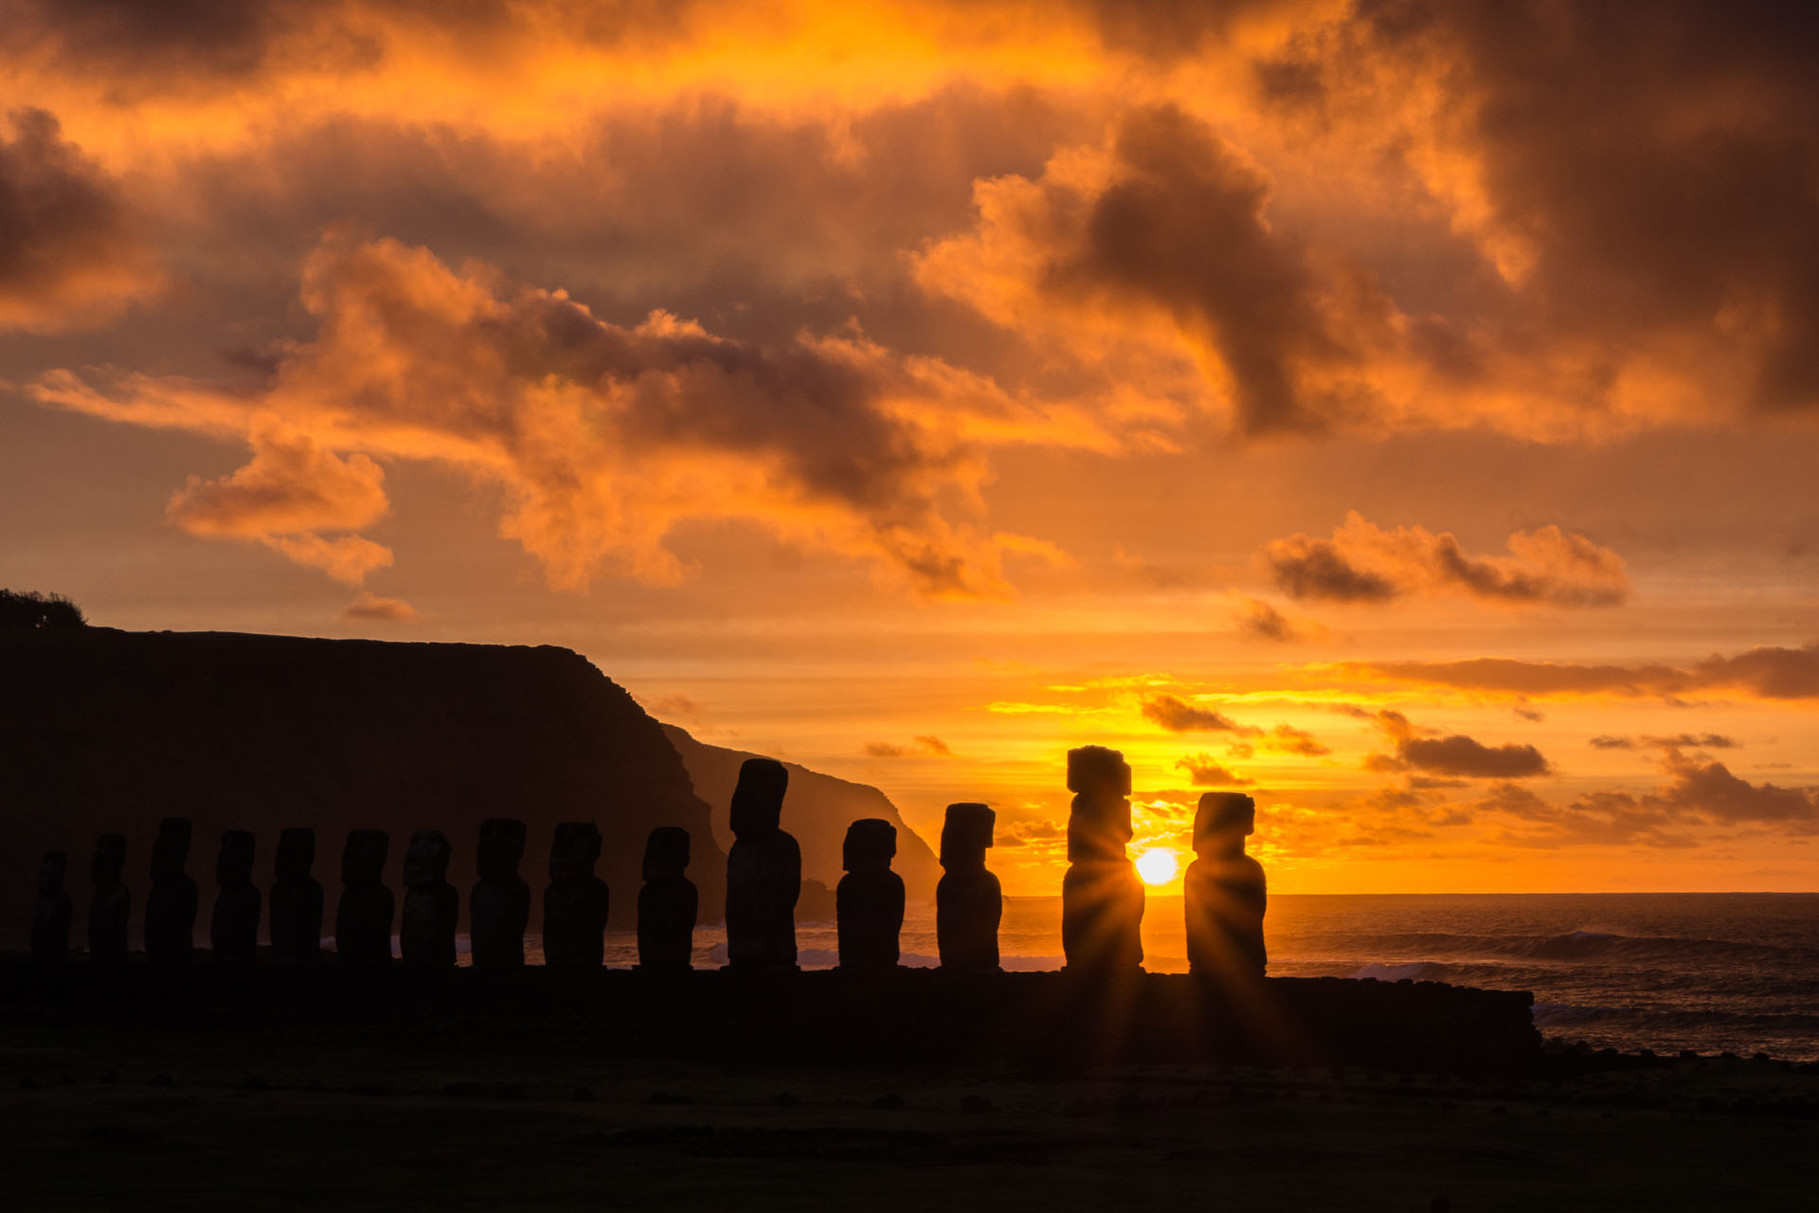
(1157, 866)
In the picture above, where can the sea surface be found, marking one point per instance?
(1666, 971)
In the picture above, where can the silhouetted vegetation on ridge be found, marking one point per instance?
(30, 609)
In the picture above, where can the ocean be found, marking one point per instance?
(1712, 972)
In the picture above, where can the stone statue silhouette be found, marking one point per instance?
(170, 908)
(577, 902)
(111, 904)
(1101, 897)
(363, 920)
(50, 922)
(1225, 891)
(432, 907)
(296, 900)
(868, 902)
(233, 930)
(763, 872)
(667, 904)
(500, 907)
(968, 900)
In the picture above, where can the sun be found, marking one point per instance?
(1156, 867)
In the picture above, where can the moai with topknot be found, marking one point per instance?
(968, 900)
(170, 909)
(667, 904)
(763, 872)
(233, 929)
(868, 903)
(50, 924)
(111, 904)
(500, 907)
(296, 900)
(577, 902)
(432, 907)
(363, 920)
(1101, 897)
(1225, 891)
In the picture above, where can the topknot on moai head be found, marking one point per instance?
(363, 859)
(967, 833)
(666, 853)
(296, 853)
(501, 848)
(1094, 770)
(1223, 816)
(426, 860)
(109, 863)
(234, 862)
(51, 871)
(574, 850)
(871, 842)
(171, 850)
(758, 800)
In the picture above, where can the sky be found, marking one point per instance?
(1402, 412)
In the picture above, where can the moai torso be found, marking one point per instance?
(667, 904)
(426, 935)
(363, 920)
(233, 930)
(869, 899)
(1225, 891)
(763, 872)
(170, 907)
(500, 907)
(1101, 897)
(968, 900)
(296, 923)
(577, 903)
(111, 904)
(50, 923)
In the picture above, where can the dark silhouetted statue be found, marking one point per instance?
(868, 902)
(500, 907)
(1225, 890)
(1101, 897)
(968, 901)
(576, 903)
(763, 872)
(111, 905)
(296, 900)
(432, 908)
(170, 908)
(667, 903)
(233, 928)
(363, 920)
(50, 923)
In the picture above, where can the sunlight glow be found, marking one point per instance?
(1157, 867)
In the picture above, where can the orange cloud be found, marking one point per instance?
(1765, 672)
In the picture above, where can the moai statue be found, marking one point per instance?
(170, 909)
(763, 872)
(363, 920)
(868, 903)
(111, 905)
(500, 907)
(50, 924)
(1225, 891)
(1101, 897)
(667, 903)
(432, 907)
(296, 900)
(576, 903)
(233, 930)
(968, 901)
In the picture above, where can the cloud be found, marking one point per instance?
(884, 749)
(1679, 741)
(1179, 716)
(1454, 754)
(1287, 739)
(1364, 563)
(935, 746)
(1042, 834)
(1766, 672)
(1261, 620)
(370, 607)
(1207, 772)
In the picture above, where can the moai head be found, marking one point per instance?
(966, 835)
(574, 851)
(666, 853)
(1222, 821)
(363, 859)
(50, 873)
(1100, 823)
(109, 863)
(871, 842)
(171, 851)
(501, 847)
(1093, 770)
(426, 862)
(296, 852)
(234, 865)
(758, 800)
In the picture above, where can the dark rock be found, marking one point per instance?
(577, 903)
(170, 908)
(667, 904)
(968, 902)
(763, 873)
(1101, 897)
(432, 907)
(363, 921)
(50, 924)
(296, 925)
(111, 905)
(1225, 891)
(869, 898)
(233, 929)
(500, 908)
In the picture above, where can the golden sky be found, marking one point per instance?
(1401, 411)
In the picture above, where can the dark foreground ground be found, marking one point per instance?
(152, 1117)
